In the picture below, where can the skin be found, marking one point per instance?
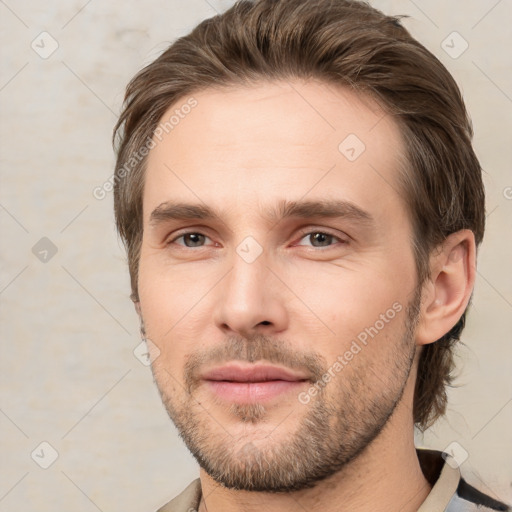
(241, 151)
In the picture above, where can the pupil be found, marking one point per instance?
(195, 238)
(323, 238)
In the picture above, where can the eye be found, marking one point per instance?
(190, 239)
(320, 238)
(317, 239)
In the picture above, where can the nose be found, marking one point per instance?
(251, 299)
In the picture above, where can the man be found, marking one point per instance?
(301, 207)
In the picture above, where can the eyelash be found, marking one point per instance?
(305, 233)
(302, 234)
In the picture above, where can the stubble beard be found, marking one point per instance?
(335, 428)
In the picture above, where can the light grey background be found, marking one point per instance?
(68, 374)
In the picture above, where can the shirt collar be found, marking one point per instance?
(443, 475)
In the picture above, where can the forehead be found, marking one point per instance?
(273, 138)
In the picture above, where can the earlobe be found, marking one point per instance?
(446, 295)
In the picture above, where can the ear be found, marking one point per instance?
(446, 294)
(136, 303)
(141, 320)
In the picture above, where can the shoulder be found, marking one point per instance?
(468, 498)
(186, 501)
(450, 492)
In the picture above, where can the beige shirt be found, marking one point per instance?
(449, 493)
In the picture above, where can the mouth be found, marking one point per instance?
(254, 383)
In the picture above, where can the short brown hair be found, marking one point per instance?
(344, 42)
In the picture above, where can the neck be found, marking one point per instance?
(385, 476)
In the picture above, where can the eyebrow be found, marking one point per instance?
(171, 210)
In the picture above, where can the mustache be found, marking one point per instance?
(251, 350)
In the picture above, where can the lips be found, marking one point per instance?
(254, 383)
(252, 374)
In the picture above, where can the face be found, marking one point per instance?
(277, 280)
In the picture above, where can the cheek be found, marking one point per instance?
(347, 300)
(365, 316)
(172, 305)
(167, 292)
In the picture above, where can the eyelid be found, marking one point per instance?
(179, 234)
(343, 238)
